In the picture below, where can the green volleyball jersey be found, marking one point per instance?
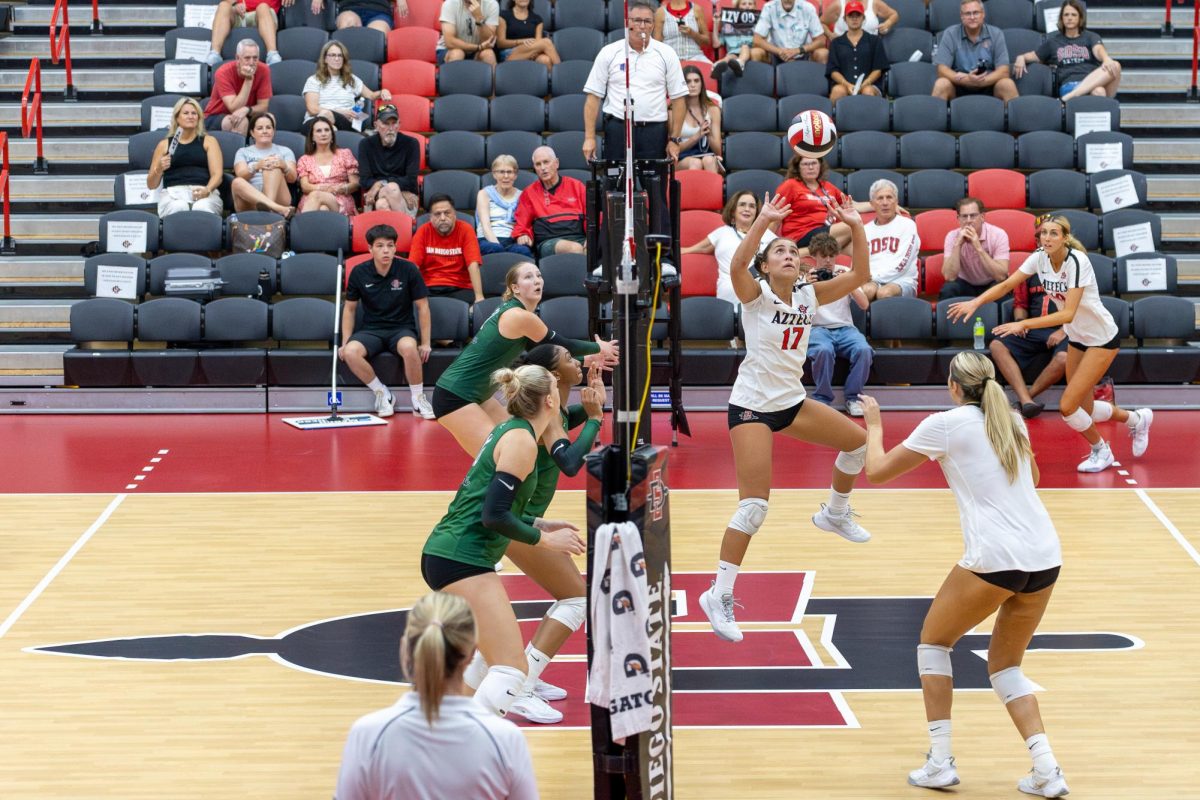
(547, 470)
(460, 535)
(470, 376)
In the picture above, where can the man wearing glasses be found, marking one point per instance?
(389, 163)
(975, 254)
(972, 58)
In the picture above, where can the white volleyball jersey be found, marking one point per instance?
(1093, 325)
(1004, 525)
(769, 378)
(894, 250)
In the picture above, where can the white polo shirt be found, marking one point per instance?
(393, 754)
(655, 75)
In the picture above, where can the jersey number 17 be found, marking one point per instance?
(792, 337)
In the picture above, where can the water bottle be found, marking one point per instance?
(978, 333)
(358, 108)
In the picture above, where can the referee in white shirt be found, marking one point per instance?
(655, 75)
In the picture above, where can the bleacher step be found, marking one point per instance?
(1160, 115)
(1166, 151)
(85, 80)
(110, 17)
(1178, 228)
(1173, 188)
(84, 47)
(32, 359)
(1148, 48)
(61, 189)
(45, 271)
(34, 230)
(72, 151)
(30, 316)
(72, 115)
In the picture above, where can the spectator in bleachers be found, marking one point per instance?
(1014, 354)
(446, 250)
(739, 214)
(240, 88)
(975, 253)
(1081, 64)
(734, 30)
(390, 289)
(468, 30)
(334, 90)
(264, 171)
(680, 26)
(550, 213)
(790, 30)
(972, 58)
(857, 59)
(389, 163)
(811, 198)
(834, 334)
(496, 210)
(878, 18)
(895, 246)
(328, 173)
(701, 130)
(187, 163)
(260, 14)
(520, 36)
(375, 14)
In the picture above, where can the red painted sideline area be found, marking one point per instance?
(260, 453)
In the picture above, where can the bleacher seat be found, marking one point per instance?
(415, 111)
(581, 43)
(449, 322)
(230, 143)
(792, 104)
(1018, 224)
(568, 316)
(171, 39)
(319, 232)
(101, 320)
(1127, 217)
(997, 188)
(410, 76)
(493, 270)
(289, 76)
(421, 14)
(1170, 318)
(522, 77)
(1106, 272)
(568, 77)
(457, 150)
(862, 113)
(986, 150)
(748, 112)
(580, 14)
(1102, 178)
(567, 145)
(184, 9)
(1038, 80)
(1045, 150)
(935, 188)
(229, 49)
(157, 269)
(908, 320)
(700, 189)
(1091, 104)
(518, 112)
(308, 320)
(303, 43)
(927, 150)
(1085, 226)
(563, 275)
(166, 101)
(708, 319)
(930, 271)
(933, 225)
(1034, 113)
(698, 278)
(1010, 14)
(976, 112)
(364, 44)
(1057, 188)
(289, 111)
(901, 42)
(192, 232)
(758, 79)
(758, 181)
(696, 224)
(239, 325)
(913, 15)
(751, 150)
(309, 274)
(247, 275)
(943, 14)
(1124, 366)
(460, 112)
(868, 150)
(172, 321)
(919, 112)
(128, 260)
(188, 77)
(460, 185)
(518, 144)
(1128, 283)
(1020, 40)
(415, 43)
(565, 113)
(1104, 137)
(300, 16)
(858, 183)
(954, 337)
(361, 223)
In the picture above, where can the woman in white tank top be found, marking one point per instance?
(1010, 562)
(768, 396)
(1066, 273)
(878, 18)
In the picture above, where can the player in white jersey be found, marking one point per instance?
(1062, 265)
(768, 397)
(1010, 562)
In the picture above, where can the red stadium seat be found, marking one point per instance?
(695, 225)
(361, 223)
(1015, 259)
(1018, 225)
(415, 43)
(351, 263)
(932, 227)
(414, 111)
(710, 83)
(699, 276)
(998, 188)
(931, 274)
(421, 14)
(423, 142)
(701, 189)
(410, 76)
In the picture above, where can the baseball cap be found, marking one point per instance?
(854, 6)
(389, 111)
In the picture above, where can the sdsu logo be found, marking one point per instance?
(776, 676)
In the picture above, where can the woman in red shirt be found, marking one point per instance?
(811, 198)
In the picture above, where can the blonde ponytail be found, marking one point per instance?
(524, 388)
(976, 376)
(438, 641)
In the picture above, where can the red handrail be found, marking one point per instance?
(1166, 28)
(96, 26)
(9, 246)
(62, 46)
(31, 111)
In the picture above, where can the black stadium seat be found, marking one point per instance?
(919, 112)
(518, 112)
(522, 77)
(987, 150)
(1166, 318)
(307, 320)
(1045, 150)
(99, 320)
(927, 150)
(800, 77)
(868, 150)
(174, 322)
(908, 320)
(239, 325)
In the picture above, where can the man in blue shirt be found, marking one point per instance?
(972, 58)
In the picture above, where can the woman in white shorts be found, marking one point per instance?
(1009, 566)
(1062, 265)
(768, 397)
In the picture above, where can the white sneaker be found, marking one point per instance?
(719, 611)
(854, 408)
(535, 709)
(1053, 785)
(422, 408)
(934, 775)
(1097, 460)
(384, 404)
(549, 692)
(843, 525)
(1141, 434)
(213, 58)
(273, 57)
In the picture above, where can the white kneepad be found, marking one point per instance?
(569, 612)
(476, 671)
(749, 516)
(1102, 411)
(852, 462)
(1011, 683)
(1079, 420)
(934, 659)
(500, 688)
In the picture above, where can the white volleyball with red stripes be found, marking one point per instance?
(812, 133)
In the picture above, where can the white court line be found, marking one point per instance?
(1170, 526)
(62, 563)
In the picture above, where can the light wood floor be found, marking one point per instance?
(1123, 724)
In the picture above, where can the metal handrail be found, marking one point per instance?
(60, 47)
(31, 112)
(8, 246)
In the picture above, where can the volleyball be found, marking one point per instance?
(812, 133)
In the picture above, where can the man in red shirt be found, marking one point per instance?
(261, 14)
(240, 88)
(551, 212)
(446, 250)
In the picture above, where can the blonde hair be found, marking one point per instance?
(510, 278)
(179, 104)
(505, 160)
(525, 388)
(1065, 224)
(438, 640)
(976, 376)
